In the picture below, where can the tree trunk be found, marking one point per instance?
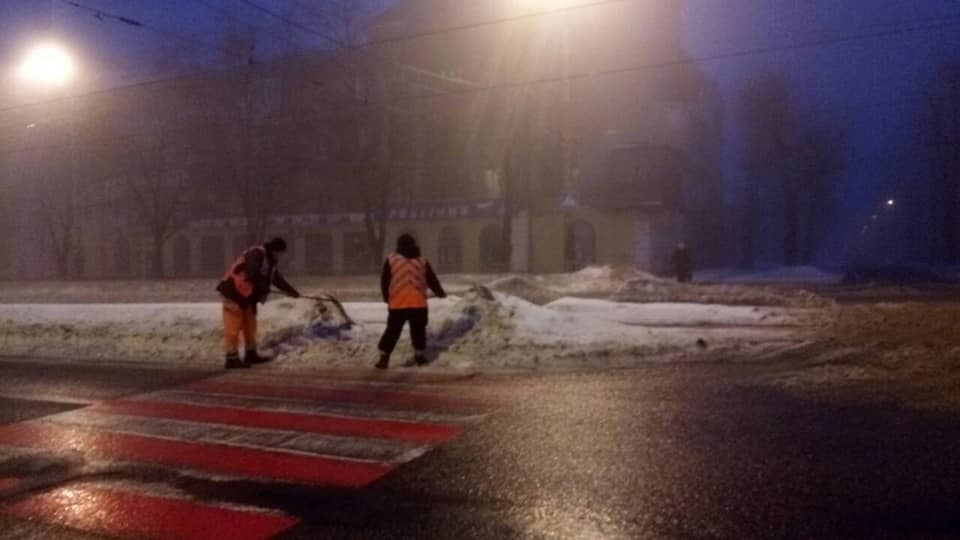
(749, 224)
(156, 268)
(791, 233)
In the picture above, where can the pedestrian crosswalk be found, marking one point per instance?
(326, 432)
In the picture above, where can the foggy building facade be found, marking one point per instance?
(543, 178)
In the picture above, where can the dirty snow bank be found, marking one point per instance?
(476, 331)
(625, 284)
(774, 275)
(481, 330)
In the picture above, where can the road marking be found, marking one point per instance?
(308, 423)
(386, 398)
(273, 440)
(315, 432)
(307, 406)
(9, 483)
(229, 460)
(47, 398)
(127, 514)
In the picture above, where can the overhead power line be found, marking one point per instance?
(356, 48)
(824, 42)
(680, 62)
(103, 15)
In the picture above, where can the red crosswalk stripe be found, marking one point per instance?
(129, 514)
(332, 395)
(221, 459)
(308, 423)
(9, 483)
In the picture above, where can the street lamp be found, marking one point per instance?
(48, 65)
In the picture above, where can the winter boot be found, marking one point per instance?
(384, 362)
(253, 357)
(234, 362)
(420, 358)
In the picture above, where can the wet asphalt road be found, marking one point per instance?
(696, 451)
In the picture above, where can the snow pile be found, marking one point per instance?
(659, 290)
(494, 330)
(479, 330)
(625, 284)
(676, 315)
(787, 275)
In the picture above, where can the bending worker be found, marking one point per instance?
(404, 282)
(246, 284)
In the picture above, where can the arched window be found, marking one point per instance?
(122, 257)
(181, 257)
(581, 246)
(450, 251)
(493, 254)
(319, 255)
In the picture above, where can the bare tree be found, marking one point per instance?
(57, 188)
(370, 139)
(59, 215)
(798, 158)
(819, 159)
(159, 155)
(943, 105)
(769, 128)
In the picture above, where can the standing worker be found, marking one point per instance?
(246, 284)
(404, 282)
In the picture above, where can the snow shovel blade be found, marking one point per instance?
(329, 299)
(332, 300)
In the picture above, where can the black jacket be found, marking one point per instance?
(262, 279)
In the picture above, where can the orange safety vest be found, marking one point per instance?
(238, 275)
(408, 282)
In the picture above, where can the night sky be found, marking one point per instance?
(873, 87)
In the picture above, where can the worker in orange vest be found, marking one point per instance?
(404, 282)
(246, 284)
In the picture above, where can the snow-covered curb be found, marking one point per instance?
(472, 332)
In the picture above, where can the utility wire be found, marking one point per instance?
(681, 62)
(352, 47)
(824, 42)
(102, 15)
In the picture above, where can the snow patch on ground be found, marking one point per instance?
(478, 330)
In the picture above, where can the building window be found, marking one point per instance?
(122, 258)
(450, 251)
(493, 254)
(212, 256)
(356, 252)
(181, 257)
(581, 246)
(319, 255)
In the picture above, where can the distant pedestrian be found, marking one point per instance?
(404, 282)
(246, 284)
(682, 263)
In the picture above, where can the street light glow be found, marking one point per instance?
(47, 64)
(891, 202)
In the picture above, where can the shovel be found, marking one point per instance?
(324, 299)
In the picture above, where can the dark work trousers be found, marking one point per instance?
(417, 318)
